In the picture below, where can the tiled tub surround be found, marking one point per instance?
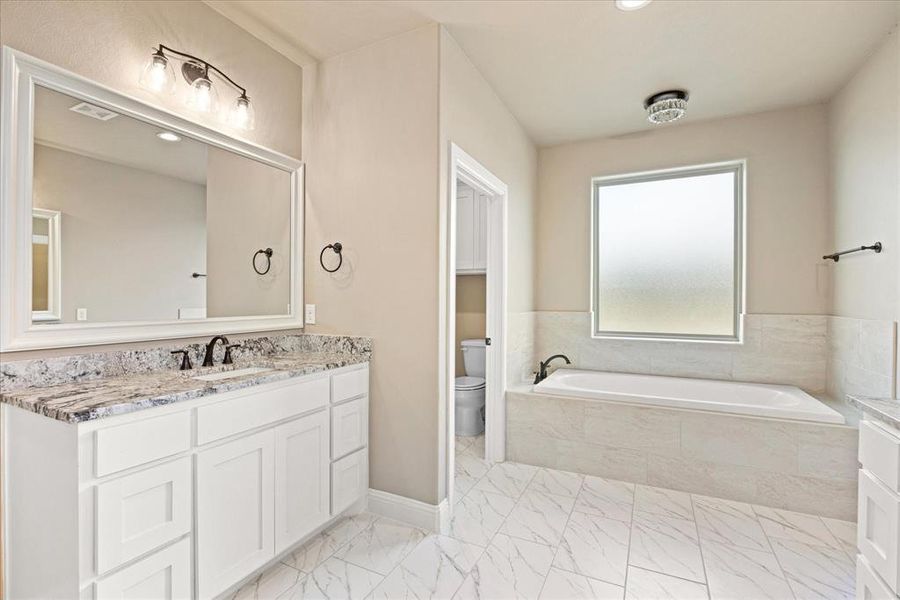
(89, 386)
(520, 358)
(861, 357)
(806, 467)
(785, 349)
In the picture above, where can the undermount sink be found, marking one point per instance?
(231, 374)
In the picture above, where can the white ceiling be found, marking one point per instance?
(578, 69)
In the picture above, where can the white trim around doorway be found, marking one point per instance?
(466, 168)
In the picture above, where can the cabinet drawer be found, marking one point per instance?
(142, 511)
(349, 427)
(869, 585)
(255, 408)
(166, 574)
(878, 532)
(349, 480)
(124, 446)
(350, 384)
(879, 453)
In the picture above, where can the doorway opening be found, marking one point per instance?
(476, 324)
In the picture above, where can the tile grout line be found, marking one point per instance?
(700, 546)
(772, 550)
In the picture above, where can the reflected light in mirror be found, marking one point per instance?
(631, 4)
(168, 136)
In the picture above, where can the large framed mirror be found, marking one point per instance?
(124, 222)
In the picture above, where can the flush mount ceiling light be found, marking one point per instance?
(665, 107)
(168, 136)
(159, 76)
(631, 4)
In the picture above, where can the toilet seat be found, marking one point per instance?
(469, 383)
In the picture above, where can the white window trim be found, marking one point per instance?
(739, 167)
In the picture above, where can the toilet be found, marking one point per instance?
(470, 390)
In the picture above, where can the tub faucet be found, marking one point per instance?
(541, 373)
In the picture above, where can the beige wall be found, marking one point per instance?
(248, 208)
(372, 177)
(786, 203)
(130, 238)
(864, 169)
(471, 294)
(110, 42)
(864, 165)
(474, 118)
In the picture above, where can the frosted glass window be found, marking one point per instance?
(667, 254)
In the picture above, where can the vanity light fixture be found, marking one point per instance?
(631, 4)
(665, 107)
(159, 76)
(168, 136)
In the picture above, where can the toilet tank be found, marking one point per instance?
(473, 357)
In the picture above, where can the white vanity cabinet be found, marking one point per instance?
(471, 231)
(235, 510)
(185, 500)
(878, 530)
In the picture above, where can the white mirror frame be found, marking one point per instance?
(54, 265)
(18, 331)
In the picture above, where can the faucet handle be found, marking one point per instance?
(185, 360)
(228, 359)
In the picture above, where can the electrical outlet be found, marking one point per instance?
(81, 314)
(310, 314)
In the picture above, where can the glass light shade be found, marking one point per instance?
(242, 114)
(203, 96)
(158, 75)
(666, 111)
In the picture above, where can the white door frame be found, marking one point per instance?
(473, 173)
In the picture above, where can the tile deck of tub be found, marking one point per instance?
(520, 531)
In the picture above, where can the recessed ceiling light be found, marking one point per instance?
(631, 4)
(168, 136)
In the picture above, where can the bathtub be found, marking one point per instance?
(754, 399)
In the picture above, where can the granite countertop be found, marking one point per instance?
(97, 398)
(885, 410)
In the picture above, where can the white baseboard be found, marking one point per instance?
(432, 517)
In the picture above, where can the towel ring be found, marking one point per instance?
(268, 254)
(338, 248)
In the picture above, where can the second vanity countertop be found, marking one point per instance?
(99, 398)
(883, 409)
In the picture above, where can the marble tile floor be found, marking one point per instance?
(527, 532)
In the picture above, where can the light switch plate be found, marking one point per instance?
(310, 314)
(81, 314)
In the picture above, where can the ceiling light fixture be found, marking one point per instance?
(168, 136)
(665, 107)
(631, 4)
(159, 76)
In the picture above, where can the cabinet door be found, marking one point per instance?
(349, 427)
(301, 478)
(142, 511)
(480, 211)
(465, 229)
(349, 480)
(878, 531)
(235, 510)
(165, 575)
